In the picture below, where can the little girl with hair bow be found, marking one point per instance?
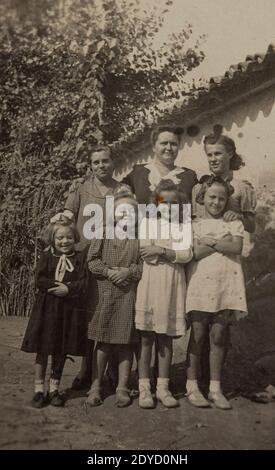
(57, 325)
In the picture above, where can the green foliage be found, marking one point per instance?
(73, 73)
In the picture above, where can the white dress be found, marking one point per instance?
(161, 292)
(216, 282)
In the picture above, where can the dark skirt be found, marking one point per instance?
(56, 326)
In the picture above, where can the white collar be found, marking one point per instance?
(155, 177)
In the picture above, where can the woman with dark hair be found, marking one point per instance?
(93, 190)
(144, 178)
(223, 161)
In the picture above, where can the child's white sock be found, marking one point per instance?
(38, 386)
(144, 384)
(215, 386)
(54, 385)
(162, 384)
(191, 385)
(270, 389)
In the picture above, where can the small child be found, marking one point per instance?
(160, 305)
(117, 266)
(57, 325)
(216, 288)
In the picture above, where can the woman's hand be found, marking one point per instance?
(61, 290)
(229, 216)
(150, 251)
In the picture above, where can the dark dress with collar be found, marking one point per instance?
(58, 325)
(138, 180)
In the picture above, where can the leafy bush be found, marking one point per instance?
(72, 73)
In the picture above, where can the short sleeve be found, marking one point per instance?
(237, 228)
(73, 201)
(144, 238)
(197, 209)
(128, 180)
(248, 198)
(196, 226)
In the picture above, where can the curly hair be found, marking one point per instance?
(49, 232)
(207, 182)
(236, 161)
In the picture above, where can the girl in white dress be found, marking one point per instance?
(216, 288)
(160, 304)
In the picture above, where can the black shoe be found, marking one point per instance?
(55, 399)
(39, 400)
(81, 384)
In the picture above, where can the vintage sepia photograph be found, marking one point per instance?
(137, 227)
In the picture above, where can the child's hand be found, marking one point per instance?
(229, 216)
(228, 237)
(150, 251)
(208, 241)
(119, 275)
(61, 290)
(112, 274)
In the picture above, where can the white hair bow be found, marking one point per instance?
(58, 217)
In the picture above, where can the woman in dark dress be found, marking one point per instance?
(57, 325)
(144, 178)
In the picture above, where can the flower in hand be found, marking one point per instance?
(61, 290)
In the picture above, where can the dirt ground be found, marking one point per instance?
(248, 425)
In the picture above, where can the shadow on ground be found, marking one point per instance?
(248, 425)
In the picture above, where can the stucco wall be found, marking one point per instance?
(250, 122)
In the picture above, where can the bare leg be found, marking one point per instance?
(199, 330)
(145, 354)
(125, 358)
(58, 362)
(83, 378)
(99, 365)
(100, 359)
(218, 334)
(112, 369)
(217, 353)
(41, 362)
(40, 367)
(164, 349)
(144, 361)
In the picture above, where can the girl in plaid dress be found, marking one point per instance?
(117, 266)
